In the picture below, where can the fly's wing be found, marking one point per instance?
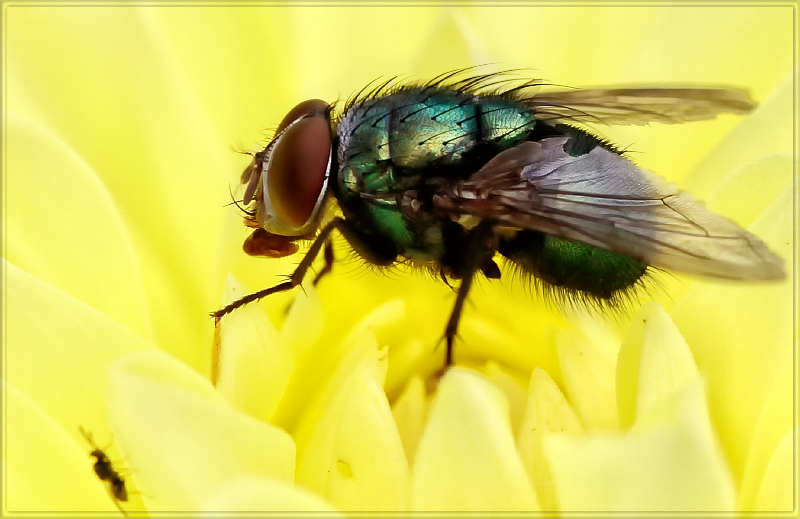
(604, 200)
(638, 105)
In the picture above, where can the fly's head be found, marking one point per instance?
(287, 181)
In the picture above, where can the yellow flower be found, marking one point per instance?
(118, 122)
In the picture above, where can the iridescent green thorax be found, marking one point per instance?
(394, 150)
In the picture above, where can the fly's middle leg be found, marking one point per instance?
(478, 255)
(328, 255)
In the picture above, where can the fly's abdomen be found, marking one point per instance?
(573, 266)
(392, 148)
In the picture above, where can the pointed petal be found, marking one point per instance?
(547, 412)
(512, 388)
(355, 457)
(254, 366)
(674, 465)
(466, 459)
(654, 362)
(589, 379)
(410, 412)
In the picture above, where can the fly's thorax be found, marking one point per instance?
(423, 127)
(393, 149)
(504, 122)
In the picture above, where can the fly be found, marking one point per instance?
(448, 174)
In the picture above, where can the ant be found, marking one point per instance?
(106, 472)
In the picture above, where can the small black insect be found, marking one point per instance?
(104, 468)
(450, 174)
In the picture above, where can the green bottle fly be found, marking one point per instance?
(449, 174)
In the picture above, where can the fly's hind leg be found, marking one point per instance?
(374, 250)
(477, 257)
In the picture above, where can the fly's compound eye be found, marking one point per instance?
(295, 169)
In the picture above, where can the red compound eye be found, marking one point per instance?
(304, 108)
(298, 163)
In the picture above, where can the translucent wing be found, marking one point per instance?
(604, 200)
(639, 105)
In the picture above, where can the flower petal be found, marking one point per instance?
(180, 437)
(39, 456)
(588, 374)
(776, 493)
(327, 367)
(60, 209)
(250, 494)
(768, 130)
(547, 411)
(512, 388)
(254, 366)
(104, 81)
(749, 191)
(740, 361)
(775, 422)
(457, 39)
(303, 325)
(654, 362)
(673, 465)
(54, 338)
(507, 324)
(417, 321)
(355, 457)
(410, 412)
(466, 459)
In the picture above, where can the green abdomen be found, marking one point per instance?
(572, 266)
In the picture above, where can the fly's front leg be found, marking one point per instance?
(373, 250)
(295, 279)
(480, 245)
